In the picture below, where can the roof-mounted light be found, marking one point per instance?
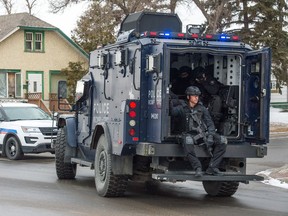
(209, 36)
(235, 38)
(177, 35)
(194, 35)
(225, 37)
(154, 34)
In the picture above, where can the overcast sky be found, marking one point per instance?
(66, 21)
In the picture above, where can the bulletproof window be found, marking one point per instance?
(102, 61)
(121, 57)
(255, 67)
(153, 63)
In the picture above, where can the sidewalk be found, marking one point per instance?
(278, 121)
(278, 127)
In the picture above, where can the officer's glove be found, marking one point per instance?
(209, 144)
(210, 141)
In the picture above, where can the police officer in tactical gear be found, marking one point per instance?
(182, 80)
(199, 129)
(210, 88)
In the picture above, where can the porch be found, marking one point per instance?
(50, 106)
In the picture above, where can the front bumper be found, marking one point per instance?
(44, 147)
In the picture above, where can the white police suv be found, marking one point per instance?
(25, 128)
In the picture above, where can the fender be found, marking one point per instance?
(121, 165)
(70, 123)
(102, 128)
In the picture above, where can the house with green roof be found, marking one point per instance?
(32, 54)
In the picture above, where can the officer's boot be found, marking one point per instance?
(196, 164)
(215, 161)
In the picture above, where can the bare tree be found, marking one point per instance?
(170, 5)
(30, 4)
(60, 5)
(8, 5)
(214, 12)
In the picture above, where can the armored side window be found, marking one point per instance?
(122, 57)
(82, 90)
(102, 61)
(153, 63)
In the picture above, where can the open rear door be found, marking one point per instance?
(256, 95)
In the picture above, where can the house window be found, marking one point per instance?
(18, 90)
(3, 85)
(38, 41)
(29, 41)
(10, 84)
(34, 41)
(34, 86)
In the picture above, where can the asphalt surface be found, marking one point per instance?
(30, 187)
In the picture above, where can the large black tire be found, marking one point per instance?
(107, 184)
(220, 188)
(63, 170)
(13, 149)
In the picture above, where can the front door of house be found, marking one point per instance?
(35, 83)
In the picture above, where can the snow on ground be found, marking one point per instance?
(279, 176)
(278, 116)
(277, 182)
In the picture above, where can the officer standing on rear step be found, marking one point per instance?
(199, 129)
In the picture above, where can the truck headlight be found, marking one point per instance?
(30, 129)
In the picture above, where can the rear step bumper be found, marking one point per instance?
(190, 176)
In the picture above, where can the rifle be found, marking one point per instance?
(201, 134)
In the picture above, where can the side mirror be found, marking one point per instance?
(82, 90)
(62, 89)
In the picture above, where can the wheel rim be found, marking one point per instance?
(102, 166)
(12, 148)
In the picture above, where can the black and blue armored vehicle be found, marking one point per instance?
(121, 124)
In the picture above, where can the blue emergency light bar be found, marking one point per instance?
(186, 36)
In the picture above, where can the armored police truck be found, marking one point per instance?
(121, 124)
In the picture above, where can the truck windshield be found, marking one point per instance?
(25, 113)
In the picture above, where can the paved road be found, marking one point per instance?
(30, 188)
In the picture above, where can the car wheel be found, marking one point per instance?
(64, 170)
(107, 184)
(220, 188)
(13, 149)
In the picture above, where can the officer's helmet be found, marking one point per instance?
(193, 90)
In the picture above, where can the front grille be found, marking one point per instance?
(48, 131)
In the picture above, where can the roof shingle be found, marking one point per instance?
(10, 22)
